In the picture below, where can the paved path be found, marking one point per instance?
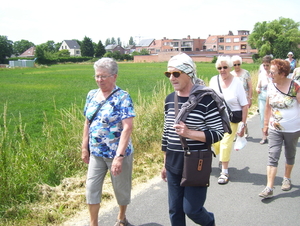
(236, 203)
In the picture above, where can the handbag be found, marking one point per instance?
(234, 116)
(98, 109)
(196, 164)
(197, 167)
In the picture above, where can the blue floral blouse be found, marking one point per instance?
(106, 128)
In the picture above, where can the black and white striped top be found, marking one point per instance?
(205, 117)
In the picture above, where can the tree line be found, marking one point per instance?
(50, 49)
(277, 37)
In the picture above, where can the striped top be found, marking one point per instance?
(205, 117)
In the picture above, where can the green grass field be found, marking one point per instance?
(34, 92)
(41, 127)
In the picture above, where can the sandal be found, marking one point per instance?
(223, 178)
(264, 141)
(122, 222)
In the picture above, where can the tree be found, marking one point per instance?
(49, 46)
(131, 42)
(20, 47)
(39, 54)
(87, 48)
(144, 52)
(107, 42)
(119, 42)
(6, 48)
(100, 50)
(277, 37)
(113, 41)
(63, 53)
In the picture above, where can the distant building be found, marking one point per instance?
(72, 46)
(229, 44)
(201, 50)
(129, 49)
(29, 52)
(167, 45)
(115, 48)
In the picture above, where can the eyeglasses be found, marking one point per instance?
(102, 76)
(176, 74)
(237, 65)
(220, 68)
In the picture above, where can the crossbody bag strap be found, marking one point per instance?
(219, 84)
(222, 92)
(183, 141)
(100, 105)
(184, 144)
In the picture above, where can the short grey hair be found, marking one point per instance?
(225, 59)
(236, 58)
(108, 64)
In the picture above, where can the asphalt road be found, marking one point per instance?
(236, 203)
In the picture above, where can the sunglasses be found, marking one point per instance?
(176, 74)
(220, 68)
(237, 65)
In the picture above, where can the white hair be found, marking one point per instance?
(236, 58)
(225, 59)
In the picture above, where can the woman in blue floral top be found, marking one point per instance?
(106, 143)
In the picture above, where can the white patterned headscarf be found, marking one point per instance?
(185, 64)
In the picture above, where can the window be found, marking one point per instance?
(236, 40)
(228, 40)
(221, 47)
(227, 47)
(244, 39)
(243, 47)
(221, 39)
(187, 44)
(236, 48)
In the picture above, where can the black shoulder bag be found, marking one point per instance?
(196, 164)
(234, 116)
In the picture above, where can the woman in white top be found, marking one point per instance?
(263, 80)
(282, 123)
(235, 97)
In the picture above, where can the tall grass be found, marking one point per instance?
(35, 163)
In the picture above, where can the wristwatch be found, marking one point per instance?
(120, 155)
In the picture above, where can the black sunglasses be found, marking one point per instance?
(220, 68)
(237, 65)
(176, 74)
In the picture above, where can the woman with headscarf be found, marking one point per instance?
(202, 127)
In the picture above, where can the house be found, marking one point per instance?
(113, 48)
(72, 46)
(145, 44)
(230, 44)
(29, 52)
(129, 49)
(168, 45)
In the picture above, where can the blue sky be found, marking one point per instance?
(58, 20)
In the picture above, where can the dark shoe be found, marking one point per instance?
(122, 222)
(264, 141)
